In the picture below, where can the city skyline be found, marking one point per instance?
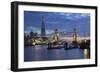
(44, 32)
(64, 22)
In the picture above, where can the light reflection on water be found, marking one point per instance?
(41, 53)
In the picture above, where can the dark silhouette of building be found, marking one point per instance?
(31, 34)
(43, 33)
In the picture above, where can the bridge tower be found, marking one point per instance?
(56, 36)
(74, 35)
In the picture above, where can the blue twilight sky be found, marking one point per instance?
(64, 22)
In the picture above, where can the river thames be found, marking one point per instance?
(41, 53)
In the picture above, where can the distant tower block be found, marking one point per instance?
(74, 35)
(43, 33)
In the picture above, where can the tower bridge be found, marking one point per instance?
(58, 35)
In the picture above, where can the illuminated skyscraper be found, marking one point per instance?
(43, 33)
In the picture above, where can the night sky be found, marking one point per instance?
(64, 22)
